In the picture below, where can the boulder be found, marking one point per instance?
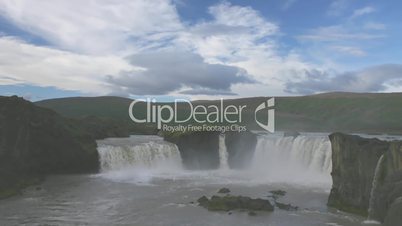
(287, 207)
(224, 190)
(229, 202)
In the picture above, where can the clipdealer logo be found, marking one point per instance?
(210, 117)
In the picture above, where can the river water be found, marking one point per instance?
(142, 183)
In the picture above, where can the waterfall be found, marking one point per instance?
(125, 153)
(374, 186)
(223, 153)
(302, 159)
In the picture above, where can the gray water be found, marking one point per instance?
(161, 192)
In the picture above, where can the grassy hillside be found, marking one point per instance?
(345, 112)
(373, 113)
(109, 111)
(75, 107)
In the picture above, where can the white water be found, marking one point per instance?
(223, 153)
(152, 153)
(302, 160)
(374, 189)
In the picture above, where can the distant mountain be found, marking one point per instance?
(328, 112)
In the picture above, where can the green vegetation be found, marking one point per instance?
(344, 112)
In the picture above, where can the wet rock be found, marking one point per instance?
(287, 207)
(252, 213)
(354, 160)
(224, 190)
(394, 216)
(278, 192)
(203, 201)
(229, 202)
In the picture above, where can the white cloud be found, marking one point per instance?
(349, 50)
(363, 11)
(87, 31)
(375, 26)
(380, 78)
(337, 7)
(240, 36)
(94, 26)
(90, 42)
(338, 32)
(23, 63)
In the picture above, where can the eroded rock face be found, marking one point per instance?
(354, 162)
(241, 147)
(199, 150)
(35, 141)
(394, 214)
(224, 190)
(390, 182)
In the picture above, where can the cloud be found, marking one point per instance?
(375, 26)
(95, 27)
(139, 47)
(23, 63)
(240, 36)
(177, 71)
(337, 7)
(363, 11)
(349, 50)
(372, 79)
(336, 33)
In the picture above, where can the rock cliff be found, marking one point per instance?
(354, 161)
(35, 141)
(198, 150)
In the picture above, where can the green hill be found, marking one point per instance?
(328, 112)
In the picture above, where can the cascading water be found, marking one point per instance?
(374, 187)
(223, 153)
(149, 152)
(303, 159)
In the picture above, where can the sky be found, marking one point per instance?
(198, 49)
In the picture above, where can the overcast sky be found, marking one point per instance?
(198, 49)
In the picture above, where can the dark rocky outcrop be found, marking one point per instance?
(389, 186)
(355, 160)
(224, 190)
(229, 202)
(35, 141)
(394, 214)
(241, 147)
(198, 150)
(287, 207)
(278, 193)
